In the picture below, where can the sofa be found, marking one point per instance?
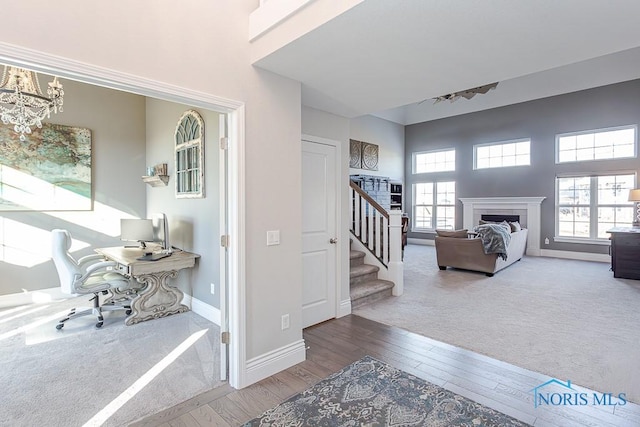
(465, 252)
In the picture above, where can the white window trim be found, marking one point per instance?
(510, 141)
(583, 240)
(432, 229)
(585, 132)
(415, 154)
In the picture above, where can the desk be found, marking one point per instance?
(625, 252)
(157, 298)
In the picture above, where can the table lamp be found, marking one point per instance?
(634, 196)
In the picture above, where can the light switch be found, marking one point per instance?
(273, 237)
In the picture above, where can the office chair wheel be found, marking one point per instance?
(99, 325)
(59, 326)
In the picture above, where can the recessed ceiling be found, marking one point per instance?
(389, 58)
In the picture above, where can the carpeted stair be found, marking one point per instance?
(365, 285)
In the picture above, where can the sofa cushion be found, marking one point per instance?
(452, 233)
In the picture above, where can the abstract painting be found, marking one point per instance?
(50, 171)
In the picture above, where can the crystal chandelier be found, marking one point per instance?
(22, 102)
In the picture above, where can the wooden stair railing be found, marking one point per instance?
(370, 223)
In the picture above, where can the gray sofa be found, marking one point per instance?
(467, 253)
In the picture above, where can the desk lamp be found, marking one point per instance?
(634, 196)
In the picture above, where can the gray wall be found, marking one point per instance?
(183, 56)
(116, 120)
(539, 120)
(389, 137)
(194, 223)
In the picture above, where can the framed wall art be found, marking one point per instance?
(49, 171)
(363, 155)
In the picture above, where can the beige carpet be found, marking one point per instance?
(110, 376)
(567, 319)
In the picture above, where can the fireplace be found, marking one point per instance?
(527, 209)
(500, 218)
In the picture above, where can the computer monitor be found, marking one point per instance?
(161, 231)
(136, 230)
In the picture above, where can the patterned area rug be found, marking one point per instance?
(372, 393)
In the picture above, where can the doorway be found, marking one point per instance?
(229, 316)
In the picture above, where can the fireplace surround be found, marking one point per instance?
(527, 208)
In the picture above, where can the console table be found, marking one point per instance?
(625, 252)
(157, 297)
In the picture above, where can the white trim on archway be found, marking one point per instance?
(105, 77)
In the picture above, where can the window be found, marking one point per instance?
(189, 138)
(613, 143)
(434, 161)
(434, 205)
(503, 154)
(587, 206)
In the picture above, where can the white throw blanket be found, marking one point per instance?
(495, 238)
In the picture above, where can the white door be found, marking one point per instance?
(319, 218)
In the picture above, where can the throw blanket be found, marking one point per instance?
(495, 238)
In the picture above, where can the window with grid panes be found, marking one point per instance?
(588, 205)
(434, 205)
(611, 143)
(434, 161)
(189, 139)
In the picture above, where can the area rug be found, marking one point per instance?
(371, 393)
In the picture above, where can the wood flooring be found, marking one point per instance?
(335, 344)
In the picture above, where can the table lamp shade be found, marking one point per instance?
(634, 195)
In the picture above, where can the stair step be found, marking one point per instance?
(368, 292)
(363, 273)
(356, 258)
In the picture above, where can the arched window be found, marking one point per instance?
(189, 148)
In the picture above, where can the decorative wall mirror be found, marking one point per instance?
(189, 138)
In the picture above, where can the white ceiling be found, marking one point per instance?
(386, 57)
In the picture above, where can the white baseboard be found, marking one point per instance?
(203, 309)
(274, 361)
(424, 242)
(345, 308)
(40, 296)
(581, 256)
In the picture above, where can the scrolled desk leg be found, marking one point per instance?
(122, 297)
(157, 299)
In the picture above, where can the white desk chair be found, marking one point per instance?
(87, 275)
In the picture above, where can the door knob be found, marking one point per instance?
(333, 240)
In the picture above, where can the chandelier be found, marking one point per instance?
(22, 102)
(467, 93)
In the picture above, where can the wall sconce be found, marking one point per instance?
(634, 196)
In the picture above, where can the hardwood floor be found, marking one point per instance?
(334, 344)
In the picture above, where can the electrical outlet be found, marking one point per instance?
(213, 289)
(285, 321)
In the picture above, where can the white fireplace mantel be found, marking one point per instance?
(530, 204)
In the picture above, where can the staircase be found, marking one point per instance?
(364, 283)
(377, 234)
